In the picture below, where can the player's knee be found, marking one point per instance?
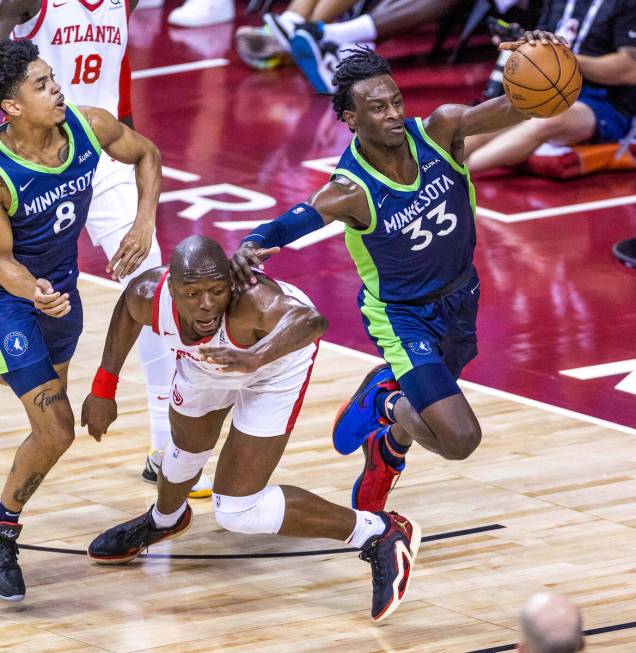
(461, 443)
(179, 466)
(262, 512)
(548, 128)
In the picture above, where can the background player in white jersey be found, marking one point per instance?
(253, 351)
(86, 46)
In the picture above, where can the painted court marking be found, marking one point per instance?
(179, 68)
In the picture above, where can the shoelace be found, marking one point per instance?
(371, 556)
(8, 554)
(137, 534)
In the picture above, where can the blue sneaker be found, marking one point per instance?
(317, 60)
(359, 417)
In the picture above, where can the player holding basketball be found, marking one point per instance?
(253, 351)
(85, 42)
(409, 211)
(48, 157)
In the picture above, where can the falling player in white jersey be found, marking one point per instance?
(252, 353)
(85, 42)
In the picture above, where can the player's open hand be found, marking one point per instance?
(249, 255)
(50, 302)
(230, 360)
(133, 249)
(98, 414)
(533, 37)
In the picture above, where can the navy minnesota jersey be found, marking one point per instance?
(49, 205)
(422, 235)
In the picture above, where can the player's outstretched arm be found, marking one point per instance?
(339, 200)
(450, 124)
(290, 325)
(16, 278)
(128, 146)
(132, 312)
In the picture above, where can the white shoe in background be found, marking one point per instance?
(149, 4)
(200, 13)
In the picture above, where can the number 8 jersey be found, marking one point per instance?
(85, 44)
(422, 235)
(49, 205)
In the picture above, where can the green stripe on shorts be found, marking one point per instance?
(381, 329)
(3, 365)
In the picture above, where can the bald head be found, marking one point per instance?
(551, 623)
(198, 257)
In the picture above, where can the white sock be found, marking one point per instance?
(165, 521)
(367, 525)
(358, 30)
(157, 362)
(290, 19)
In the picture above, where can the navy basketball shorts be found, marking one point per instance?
(611, 124)
(31, 339)
(428, 345)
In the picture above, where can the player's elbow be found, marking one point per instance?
(317, 324)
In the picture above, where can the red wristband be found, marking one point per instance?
(104, 384)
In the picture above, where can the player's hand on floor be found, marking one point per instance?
(230, 360)
(50, 302)
(133, 249)
(533, 37)
(98, 414)
(249, 255)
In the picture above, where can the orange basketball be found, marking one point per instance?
(542, 80)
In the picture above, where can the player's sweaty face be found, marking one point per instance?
(379, 111)
(201, 302)
(40, 95)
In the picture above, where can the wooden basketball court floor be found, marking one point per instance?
(546, 502)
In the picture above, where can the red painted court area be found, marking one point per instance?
(553, 297)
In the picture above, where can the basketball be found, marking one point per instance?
(542, 80)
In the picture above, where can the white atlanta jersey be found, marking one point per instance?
(85, 43)
(266, 401)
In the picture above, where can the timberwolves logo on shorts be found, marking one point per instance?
(421, 347)
(15, 343)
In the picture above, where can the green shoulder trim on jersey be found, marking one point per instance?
(358, 251)
(381, 329)
(36, 166)
(14, 195)
(463, 170)
(3, 365)
(379, 176)
(87, 128)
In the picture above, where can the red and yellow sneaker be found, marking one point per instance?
(392, 556)
(372, 487)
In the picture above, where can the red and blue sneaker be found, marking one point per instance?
(378, 478)
(358, 417)
(392, 556)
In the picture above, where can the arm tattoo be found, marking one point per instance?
(43, 400)
(62, 153)
(24, 493)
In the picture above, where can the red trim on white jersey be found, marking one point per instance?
(37, 25)
(301, 395)
(92, 6)
(124, 107)
(155, 303)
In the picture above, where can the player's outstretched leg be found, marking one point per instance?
(360, 416)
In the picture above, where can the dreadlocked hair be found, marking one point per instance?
(360, 63)
(15, 57)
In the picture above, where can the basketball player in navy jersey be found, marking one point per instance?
(409, 211)
(48, 156)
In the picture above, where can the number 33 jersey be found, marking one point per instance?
(49, 205)
(422, 235)
(85, 42)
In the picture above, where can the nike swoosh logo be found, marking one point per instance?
(60, 4)
(163, 398)
(382, 202)
(167, 333)
(27, 184)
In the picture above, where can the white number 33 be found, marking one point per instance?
(439, 212)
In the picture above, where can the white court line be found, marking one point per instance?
(570, 208)
(179, 175)
(179, 68)
(470, 385)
